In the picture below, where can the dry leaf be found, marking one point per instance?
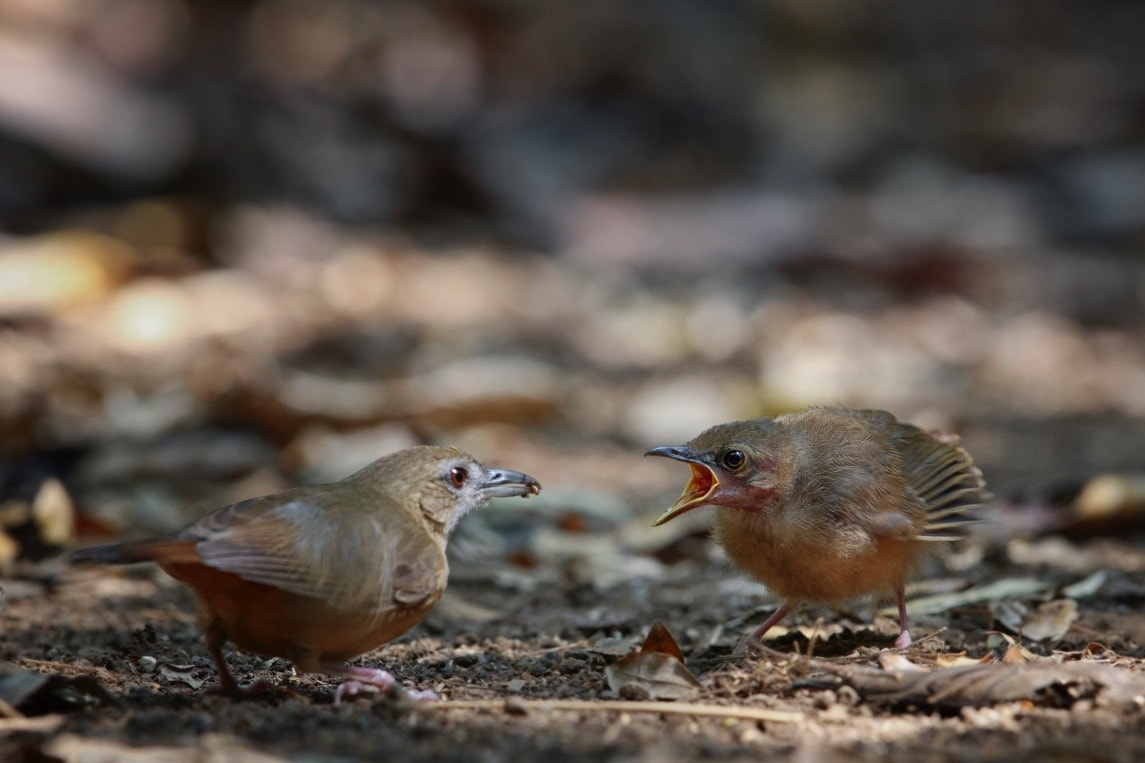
(662, 676)
(1009, 614)
(54, 272)
(660, 640)
(1097, 651)
(1086, 587)
(1017, 654)
(181, 674)
(35, 528)
(999, 590)
(657, 668)
(959, 659)
(1043, 683)
(897, 661)
(54, 514)
(995, 639)
(1050, 621)
(1108, 501)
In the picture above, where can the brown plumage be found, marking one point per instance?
(321, 574)
(829, 503)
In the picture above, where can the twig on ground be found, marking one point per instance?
(619, 706)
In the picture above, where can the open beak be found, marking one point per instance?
(702, 484)
(503, 483)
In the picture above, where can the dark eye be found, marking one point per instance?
(458, 475)
(733, 459)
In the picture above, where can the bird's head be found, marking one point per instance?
(443, 484)
(742, 465)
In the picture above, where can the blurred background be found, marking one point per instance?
(248, 244)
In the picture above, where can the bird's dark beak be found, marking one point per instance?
(702, 484)
(503, 483)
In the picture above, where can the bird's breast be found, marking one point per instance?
(822, 563)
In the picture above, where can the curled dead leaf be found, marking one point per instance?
(1051, 620)
(660, 676)
(656, 669)
(1109, 501)
(897, 661)
(660, 640)
(183, 674)
(1043, 683)
(960, 659)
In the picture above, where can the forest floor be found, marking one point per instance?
(1030, 637)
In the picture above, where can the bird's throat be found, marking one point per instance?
(699, 489)
(703, 484)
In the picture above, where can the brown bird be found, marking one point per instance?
(321, 574)
(829, 503)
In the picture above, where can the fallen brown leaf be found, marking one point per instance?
(1050, 621)
(181, 674)
(1042, 683)
(657, 668)
(660, 640)
(896, 661)
(662, 676)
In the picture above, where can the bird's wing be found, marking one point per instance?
(353, 560)
(941, 473)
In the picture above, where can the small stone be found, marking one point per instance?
(516, 706)
(147, 664)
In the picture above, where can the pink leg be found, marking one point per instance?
(903, 641)
(372, 680)
(749, 641)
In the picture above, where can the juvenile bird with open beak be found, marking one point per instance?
(828, 503)
(321, 574)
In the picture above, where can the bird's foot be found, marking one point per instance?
(749, 645)
(373, 681)
(903, 641)
(352, 687)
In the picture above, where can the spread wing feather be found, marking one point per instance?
(941, 473)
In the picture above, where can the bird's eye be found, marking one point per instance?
(733, 459)
(458, 475)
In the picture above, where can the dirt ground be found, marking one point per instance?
(1030, 636)
(255, 244)
(509, 643)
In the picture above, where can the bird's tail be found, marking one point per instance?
(132, 552)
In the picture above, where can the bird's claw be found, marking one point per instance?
(748, 645)
(374, 681)
(352, 687)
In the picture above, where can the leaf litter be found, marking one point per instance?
(538, 636)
